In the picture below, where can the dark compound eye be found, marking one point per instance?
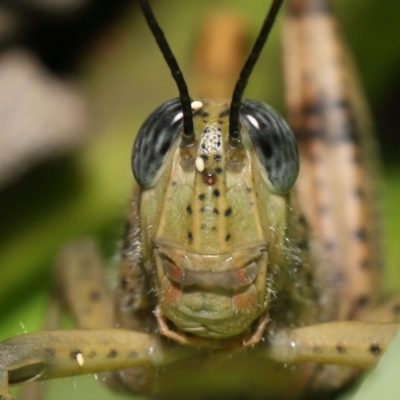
(274, 143)
(153, 141)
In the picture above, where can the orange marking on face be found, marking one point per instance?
(175, 272)
(171, 293)
(244, 300)
(241, 276)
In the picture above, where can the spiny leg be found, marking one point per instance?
(350, 343)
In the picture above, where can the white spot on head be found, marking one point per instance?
(177, 117)
(211, 141)
(199, 164)
(253, 121)
(79, 359)
(196, 105)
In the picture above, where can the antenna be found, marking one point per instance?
(234, 129)
(188, 136)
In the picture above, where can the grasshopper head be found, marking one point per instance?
(214, 179)
(214, 214)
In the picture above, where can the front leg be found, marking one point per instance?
(54, 354)
(350, 343)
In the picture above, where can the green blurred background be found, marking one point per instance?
(125, 78)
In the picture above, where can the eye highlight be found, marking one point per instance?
(274, 143)
(154, 140)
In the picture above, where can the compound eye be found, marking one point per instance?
(274, 143)
(154, 140)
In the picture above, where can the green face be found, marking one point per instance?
(213, 225)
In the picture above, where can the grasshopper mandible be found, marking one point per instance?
(218, 256)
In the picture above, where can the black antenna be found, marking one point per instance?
(234, 129)
(188, 136)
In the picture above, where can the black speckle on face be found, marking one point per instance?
(204, 157)
(112, 353)
(228, 237)
(202, 196)
(189, 209)
(190, 236)
(216, 192)
(224, 113)
(218, 170)
(215, 211)
(375, 349)
(228, 211)
(248, 190)
(217, 157)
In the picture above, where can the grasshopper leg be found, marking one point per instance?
(354, 345)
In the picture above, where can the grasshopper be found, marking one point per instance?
(224, 271)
